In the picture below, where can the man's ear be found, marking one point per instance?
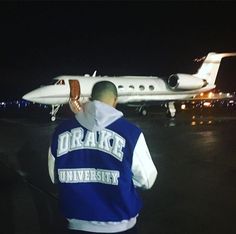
(115, 102)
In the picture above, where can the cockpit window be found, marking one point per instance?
(60, 82)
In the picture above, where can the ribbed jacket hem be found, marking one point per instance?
(102, 227)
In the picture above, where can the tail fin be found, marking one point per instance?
(210, 66)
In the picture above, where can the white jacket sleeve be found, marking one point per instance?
(143, 168)
(51, 165)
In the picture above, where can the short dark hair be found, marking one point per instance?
(101, 88)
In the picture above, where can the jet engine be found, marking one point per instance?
(185, 82)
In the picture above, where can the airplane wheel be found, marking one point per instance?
(170, 115)
(53, 118)
(144, 112)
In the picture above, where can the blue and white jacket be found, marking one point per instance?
(98, 159)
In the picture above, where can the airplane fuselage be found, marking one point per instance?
(133, 89)
(130, 89)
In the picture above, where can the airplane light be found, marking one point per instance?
(210, 95)
(207, 104)
(183, 107)
(137, 91)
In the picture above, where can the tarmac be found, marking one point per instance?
(195, 192)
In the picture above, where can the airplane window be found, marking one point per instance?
(141, 87)
(120, 87)
(131, 87)
(151, 87)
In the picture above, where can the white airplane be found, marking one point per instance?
(138, 90)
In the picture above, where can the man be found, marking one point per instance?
(98, 159)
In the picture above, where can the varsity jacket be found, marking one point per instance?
(97, 159)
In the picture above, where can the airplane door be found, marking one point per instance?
(74, 89)
(74, 95)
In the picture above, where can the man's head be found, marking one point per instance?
(105, 91)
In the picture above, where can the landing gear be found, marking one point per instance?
(54, 111)
(53, 118)
(170, 110)
(143, 110)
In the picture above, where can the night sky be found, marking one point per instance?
(40, 40)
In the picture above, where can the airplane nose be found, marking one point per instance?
(28, 97)
(51, 95)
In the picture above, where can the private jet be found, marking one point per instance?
(133, 90)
